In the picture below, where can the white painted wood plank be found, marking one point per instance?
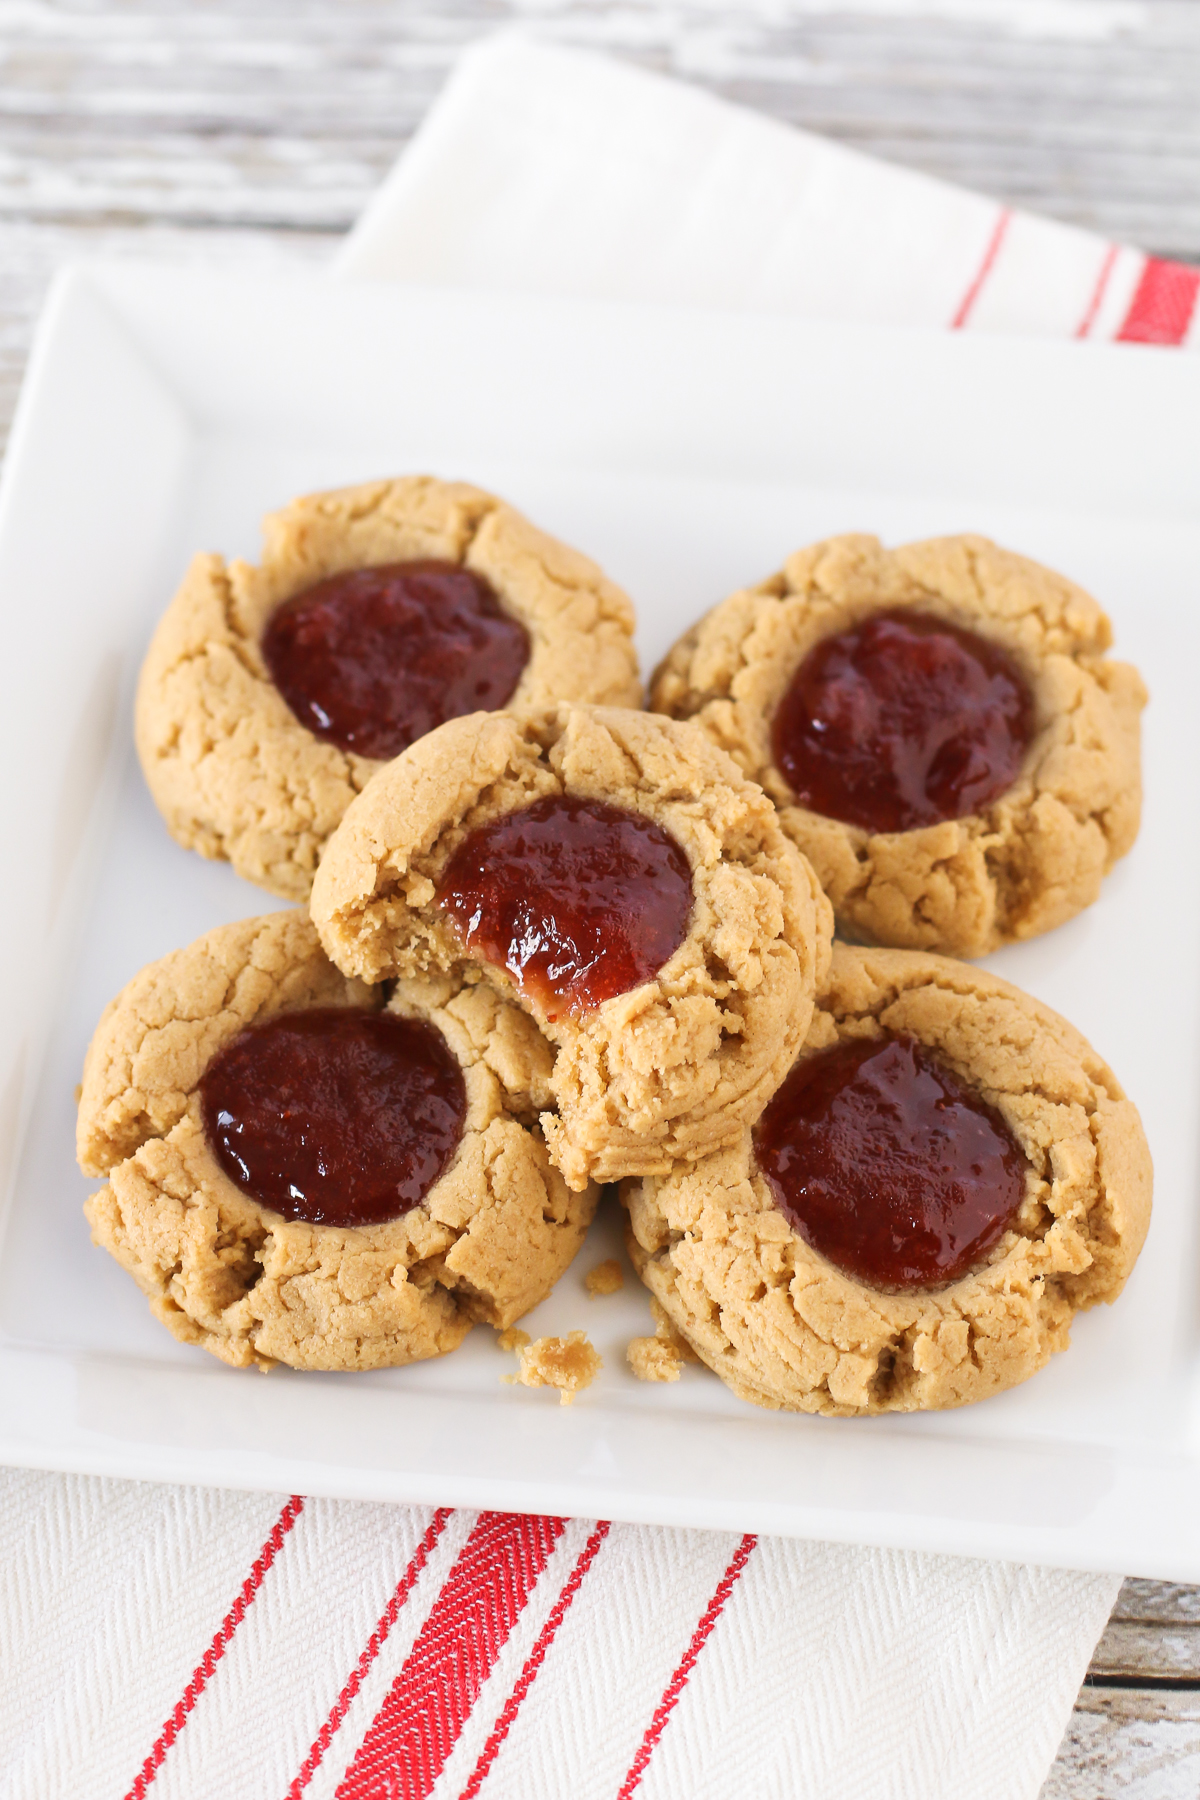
(1132, 1650)
(1129, 1746)
(288, 111)
(1158, 1602)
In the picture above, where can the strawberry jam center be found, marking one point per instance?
(578, 900)
(902, 721)
(336, 1116)
(372, 659)
(883, 1161)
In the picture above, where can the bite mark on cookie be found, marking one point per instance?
(669, 1068)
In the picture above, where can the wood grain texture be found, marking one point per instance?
(1135, 1730)
(1129, 1746)
(1159, 1603)
(1158, 1649)
(287, 112)
(249, 136)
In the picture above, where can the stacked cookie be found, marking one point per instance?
(949, 1173)
(347, 1171)
(554, 941)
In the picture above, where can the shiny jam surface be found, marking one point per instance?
(887, 1165)
(577, 899)
(902, 721)
(337, 1116)
(372, 659)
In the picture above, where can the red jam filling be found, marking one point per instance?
(578, 900)
(888, 1166)
(336, 1116)
(902, 721)
(372, 659)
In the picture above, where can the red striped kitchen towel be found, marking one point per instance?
(164, 1643)
(554, 171)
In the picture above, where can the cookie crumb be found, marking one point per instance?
(666, 1333)
(78, 1092)
(512, 1339)
(652, 1359)
(605, 1278)
(568, 1364)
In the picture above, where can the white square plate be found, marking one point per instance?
(165, 412)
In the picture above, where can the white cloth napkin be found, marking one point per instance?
(553, 171)
(219, 1646)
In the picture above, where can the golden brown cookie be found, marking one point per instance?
(786, 1328)
(486, 1243)
(672, 1068)
(234, 773)
(1033, 857)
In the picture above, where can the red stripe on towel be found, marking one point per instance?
(202, 1673)
(967, 303)
(679, 1679)
(534, 1661)
(419, 1723)
(1162, 306)
(375, 1643)
(1098, 292)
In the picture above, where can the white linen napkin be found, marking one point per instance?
(207, 1645)
(554, 171)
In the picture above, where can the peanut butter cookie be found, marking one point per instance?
(444, 1206)
(616, 874)
(939, 726)
(379, 611)
(931, 1284)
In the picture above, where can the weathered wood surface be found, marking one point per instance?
(1135, 1731)
(1124, 1744)
(249, 135)
(286, 112)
